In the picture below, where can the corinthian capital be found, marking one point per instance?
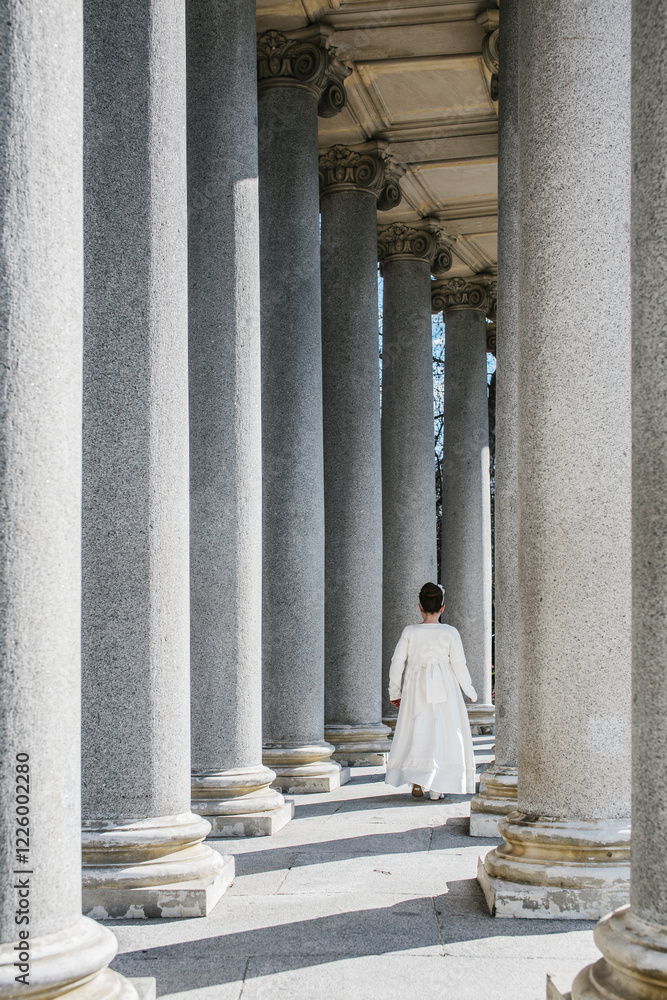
(305, 59)
(423, 241)
(459, 293)
(365, 168)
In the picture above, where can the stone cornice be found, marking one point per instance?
(423, 241)
(365, 169)
(304, 59)
(460, 293)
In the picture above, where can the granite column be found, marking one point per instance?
(299, 78)
(407, 255)
(498, 782)
(351, 182)
(47, 948)
(142, 847)
(633, 940)
(230, 785)
(566, 850)
(466, 487)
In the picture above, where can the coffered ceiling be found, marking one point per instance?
(419, 82)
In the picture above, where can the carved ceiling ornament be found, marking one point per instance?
(490, 19)
(461, 293)
(401, 242)
(307, 62)
(343, 169)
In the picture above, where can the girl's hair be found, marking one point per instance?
(431, 597)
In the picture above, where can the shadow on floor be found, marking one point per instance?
(429, 923)
(412, 841)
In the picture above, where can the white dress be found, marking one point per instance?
(432, 745)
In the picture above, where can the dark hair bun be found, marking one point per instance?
(431, 598)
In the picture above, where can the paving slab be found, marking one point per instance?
(366, 892)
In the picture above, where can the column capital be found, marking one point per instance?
(452, 294)
(362, 168)
(422, 240)
(304, 58)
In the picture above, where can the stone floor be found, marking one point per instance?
(367, 893)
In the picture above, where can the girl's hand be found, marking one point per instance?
(397, 703)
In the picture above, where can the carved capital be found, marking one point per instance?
(490, 19)
(461, 293)
(344, 169)
(423, 241)
(303, 59)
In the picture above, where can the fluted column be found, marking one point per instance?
(299, 78)
(407, 255)
(498, 782)
(633, 940)
(47, 948)
(230, 785)
(566, 850)
(351, 182)
(142, 849)
(466, 489)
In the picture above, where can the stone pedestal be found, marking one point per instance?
(567, 850)
(407, 255)
(230, 787)
(498, 785)
(47, 949)
(466, 489)
(299, 78)
(142, 850)
(633, 940)
(351, 181)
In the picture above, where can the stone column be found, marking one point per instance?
(47, 948)
(566, 850)
(466, 488)
(142, 849)
(407, 255)
(299, 78)
(498, 784)
(633, 940)
(230, 785)
(351, 181)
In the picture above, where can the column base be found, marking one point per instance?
(71, 963)
(634, 966)
(496, 798)
(152, 868)
(557, 869)
(482, 718)
(390, 721)
(240, 802)
(301, 770)
(359, 746)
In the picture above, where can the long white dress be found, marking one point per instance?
(432, 745)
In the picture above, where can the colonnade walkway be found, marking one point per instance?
(367, 893)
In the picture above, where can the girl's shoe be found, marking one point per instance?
(435, 795)
(417, 791)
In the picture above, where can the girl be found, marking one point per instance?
(432, 745)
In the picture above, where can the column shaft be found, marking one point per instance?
(292, 462)
(466, 498)
(352, 477)
(408, 458)
(136, 733)
(41, 257)
(498, 783)
(633, 940)
(231, 787)
(574, 471)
